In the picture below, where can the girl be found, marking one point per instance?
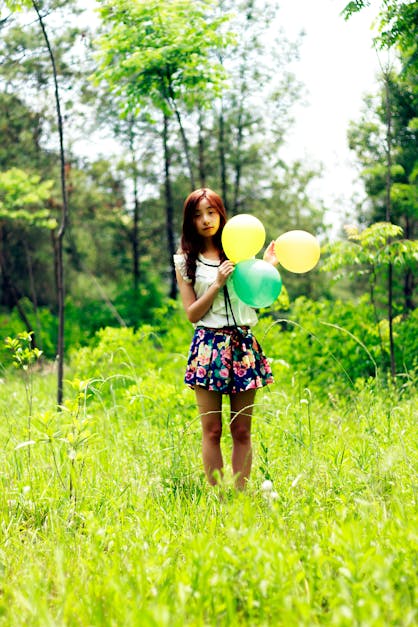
(224, 357)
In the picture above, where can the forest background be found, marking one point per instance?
(105, 514)
(193, 97)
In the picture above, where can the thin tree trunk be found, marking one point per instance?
(135, 229)
(171, 101)
(372, 283)
(64, 217)
(388, 218)
(169, 209)
(237, 178)
(409, 280)
(408, 290)
(201, 149)
(238, 153)
(186, 148)
(222, 157)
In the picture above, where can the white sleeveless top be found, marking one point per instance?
(216, 317)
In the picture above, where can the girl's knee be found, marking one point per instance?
(241, 433)
(213, 434)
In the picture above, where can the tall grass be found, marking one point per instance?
(112, 522)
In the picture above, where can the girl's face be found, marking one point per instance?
(206, 219)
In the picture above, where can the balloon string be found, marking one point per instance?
(228, 303)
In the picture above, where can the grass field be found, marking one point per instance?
(106, 518)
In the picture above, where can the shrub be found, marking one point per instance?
(332, 344)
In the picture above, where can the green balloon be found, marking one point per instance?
(256, 282)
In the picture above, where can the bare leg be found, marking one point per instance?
(241, 413)
(210, 409)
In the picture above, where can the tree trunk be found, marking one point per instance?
(388, 218)
(238, 156)
(169, 209)
(186, 148)
(171, 100)
(64, 216)
(135, 228)
(409, 279)
(408, 289)
(372, 283)
(237, 177)
(222, 157)
(201, 149)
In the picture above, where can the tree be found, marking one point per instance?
(371, 253)
(58, 239)
(138, 138)
(389, 157)
(397, 28)
(159, 56)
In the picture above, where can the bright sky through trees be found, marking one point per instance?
(337, 66)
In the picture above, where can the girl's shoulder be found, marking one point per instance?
(180, 254)
(180, 264)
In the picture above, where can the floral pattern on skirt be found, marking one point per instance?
(227, 360)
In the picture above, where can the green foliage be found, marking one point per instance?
(354, 7)
(397, 27)
(21, 132)
(23, 355)
(406, 340)
(144, 349)
(404, 197)
(18, 5)
(85, 315)
(326, 346)
(369, 253)
(329, 345)
(369, 249)
(23, 197)
(43, 324)
(160, 52)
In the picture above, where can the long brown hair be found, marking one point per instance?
(191, 242)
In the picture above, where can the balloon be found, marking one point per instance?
(297, 251)
(242, 237)
(256, 282)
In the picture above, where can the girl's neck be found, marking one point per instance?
(210, 251)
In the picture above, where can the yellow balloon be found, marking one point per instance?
(297, 251)
(242, 237)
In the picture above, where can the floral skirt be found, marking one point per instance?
(227, 360)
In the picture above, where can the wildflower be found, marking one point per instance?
(267, 485)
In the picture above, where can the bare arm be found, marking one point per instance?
(194, 307)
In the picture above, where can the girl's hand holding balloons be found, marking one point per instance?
(256, 282)
(224, 272)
